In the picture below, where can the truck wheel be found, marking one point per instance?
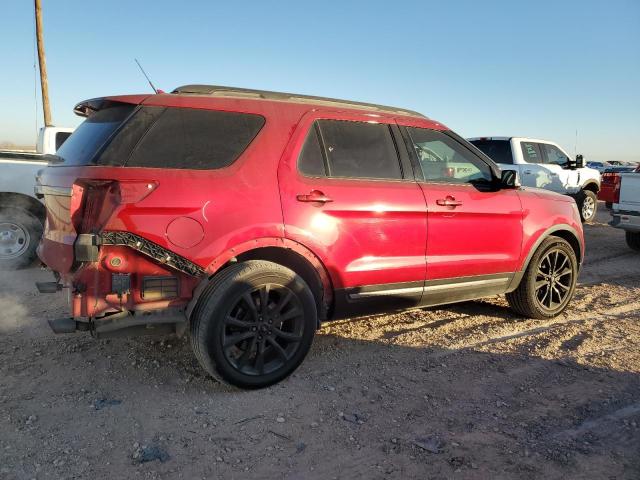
(588, 205)
(254, 324)
(20, 232)
(633, 240)
(549, 281)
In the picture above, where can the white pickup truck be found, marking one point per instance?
(626, 211)
(21, 214)
(544, 164)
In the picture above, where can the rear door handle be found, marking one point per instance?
(449, 201)
(314, 196)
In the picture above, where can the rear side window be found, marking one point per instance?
(81, 147)
(311, 161)
(360, 150)
(531, 152)
(497, 150)
(61, 137)
(195, 139)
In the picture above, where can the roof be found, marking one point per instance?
(233, 92)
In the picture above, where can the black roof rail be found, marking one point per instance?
(221, 91)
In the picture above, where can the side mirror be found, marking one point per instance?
(577, 163)
(510, 179)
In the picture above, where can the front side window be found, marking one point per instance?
(360, 150)
(531, 152)
(554, 155)
(443, 159)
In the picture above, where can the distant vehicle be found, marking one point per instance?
(543, 164)
(249, 217)
(603, 166)
(626, 208)
(21, 214)
(610, 184)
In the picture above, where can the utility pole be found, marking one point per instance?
(43, 66)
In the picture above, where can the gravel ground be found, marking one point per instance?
(468, 391)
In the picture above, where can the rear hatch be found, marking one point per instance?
(75, 205)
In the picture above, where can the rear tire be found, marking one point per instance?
(549, 281)
(633, 240)
(20, 233)
(588, 205)
(254, 324)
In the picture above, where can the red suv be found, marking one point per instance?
(249, 217)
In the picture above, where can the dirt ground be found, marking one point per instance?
(465, 392)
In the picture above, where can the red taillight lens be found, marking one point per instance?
(94, 201)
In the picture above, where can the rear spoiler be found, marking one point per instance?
(91, 106)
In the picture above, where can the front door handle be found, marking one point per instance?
(528, 172)
(449, 201)
(314, 196)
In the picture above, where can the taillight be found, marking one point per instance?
(613, 180)
(94, 201)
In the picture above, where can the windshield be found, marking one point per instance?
(81, 147)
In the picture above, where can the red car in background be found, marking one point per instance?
(248, 217)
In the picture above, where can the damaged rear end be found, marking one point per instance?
(118, 282)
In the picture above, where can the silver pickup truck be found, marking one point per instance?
(626, 211)
(21, 214)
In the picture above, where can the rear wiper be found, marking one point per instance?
(53, 158)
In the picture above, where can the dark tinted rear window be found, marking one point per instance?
(311, 161)
(61, 137)
(195, 139)
(497, 150)
(360, 150)
(81, 147)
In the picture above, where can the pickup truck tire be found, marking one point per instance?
(633, 240)
(588, 205)
(549, 281)
(254, 324)
(20, 232)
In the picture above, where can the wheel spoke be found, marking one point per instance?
(238, 323)
(264, 298)
(294, 312)
(248, 299)
(278, 348)
(539, 284)
(244, 358)
(564, 262)
(284, 301)
(259, 365)
(566, 271)
(291, 337)
(235, 339)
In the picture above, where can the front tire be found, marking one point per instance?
(588, 205)
(633, 240)
(549, 281)
(254, 324)
(20, 232)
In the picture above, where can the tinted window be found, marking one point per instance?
(497, 150)
(195, 139)
(443, 159)
(61, 137)
(80, 148)
(119, 149)
(360, 150)
(531, 152)
(554, 155)
(311, 162)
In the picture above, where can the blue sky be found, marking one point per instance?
(540, 69)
